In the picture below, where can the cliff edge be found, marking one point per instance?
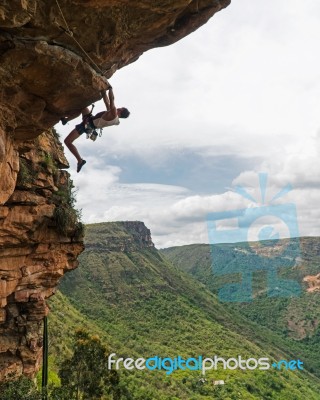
(51, 58)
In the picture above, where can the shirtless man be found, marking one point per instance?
(100, 120)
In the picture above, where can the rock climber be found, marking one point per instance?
(100, 120)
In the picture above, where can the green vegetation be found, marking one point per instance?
(26, 174)
(84, 375)
(21, 389)
(295, 320)
(48, 162)
(143, 306)
(67, 218)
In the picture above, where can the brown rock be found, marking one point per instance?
(313, 282)
(34, 255)
(9, 167)
(3, 315)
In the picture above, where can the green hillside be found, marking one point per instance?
(143, 306)
(295, 319)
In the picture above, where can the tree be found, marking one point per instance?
(85, 376)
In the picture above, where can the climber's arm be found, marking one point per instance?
(111, 98)
(105, 99)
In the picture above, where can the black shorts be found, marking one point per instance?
(81, 128)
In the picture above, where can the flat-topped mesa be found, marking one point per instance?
(47, 70)
(123, 236)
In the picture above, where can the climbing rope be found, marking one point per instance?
(69, 32)
(45, 351)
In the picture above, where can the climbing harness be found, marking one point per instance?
(69, 32)
(89, 126)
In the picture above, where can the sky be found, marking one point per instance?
(237, 98)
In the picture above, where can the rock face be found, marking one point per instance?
(141, 235)
(54, 57)
(313, 282)
(36, 248)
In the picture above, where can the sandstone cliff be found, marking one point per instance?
(45, 74)
(40, 239)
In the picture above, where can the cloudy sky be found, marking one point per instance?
(238, 97)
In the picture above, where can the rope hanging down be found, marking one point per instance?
(69, 32)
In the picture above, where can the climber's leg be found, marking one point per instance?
(79, 130)
(69, 143)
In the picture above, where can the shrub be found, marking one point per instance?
(19, 389)
(25, 174)
(66, 217)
